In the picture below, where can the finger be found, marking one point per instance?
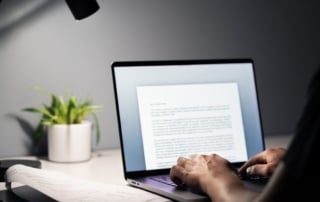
(199, 158)
(261, 169)
(216, 159)
(258, 159)
(176, 173)
(182, 161)
(193, 156)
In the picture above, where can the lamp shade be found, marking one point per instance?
(82, 8)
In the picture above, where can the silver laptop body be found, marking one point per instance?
(167, 109)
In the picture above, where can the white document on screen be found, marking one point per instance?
(181, 120)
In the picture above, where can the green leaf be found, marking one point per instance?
(60, 112)
(96, 121)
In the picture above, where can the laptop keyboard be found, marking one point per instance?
(164, 179)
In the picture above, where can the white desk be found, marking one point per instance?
(106, 165)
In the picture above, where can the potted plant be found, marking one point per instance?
(69, 133)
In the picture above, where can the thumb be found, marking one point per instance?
(257, 170)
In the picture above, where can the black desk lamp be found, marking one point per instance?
(82, 8)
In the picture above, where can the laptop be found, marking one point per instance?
(167, 109)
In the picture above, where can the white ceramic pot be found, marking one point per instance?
(70, 143)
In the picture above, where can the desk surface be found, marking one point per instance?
(106, 165)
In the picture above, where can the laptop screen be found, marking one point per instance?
(168, 109)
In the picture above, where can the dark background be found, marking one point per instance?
(41, 44)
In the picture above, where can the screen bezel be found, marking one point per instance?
(120, 64)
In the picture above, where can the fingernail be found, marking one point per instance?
(249, 170)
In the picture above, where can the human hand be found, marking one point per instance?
(199, 172)
(263, 163)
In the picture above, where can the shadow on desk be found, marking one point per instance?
(23, 194)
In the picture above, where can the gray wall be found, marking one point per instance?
(41, 44)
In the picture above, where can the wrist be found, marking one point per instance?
(218, 188)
